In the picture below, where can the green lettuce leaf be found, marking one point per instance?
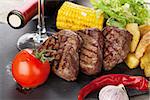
(121, 12)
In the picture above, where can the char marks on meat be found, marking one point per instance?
(64, 47)
(91, 53)
(117, 46)
(89, 48)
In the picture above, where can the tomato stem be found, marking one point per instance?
(41, 55)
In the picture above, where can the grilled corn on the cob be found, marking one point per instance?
(75, 17)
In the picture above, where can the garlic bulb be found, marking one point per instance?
(111, 92)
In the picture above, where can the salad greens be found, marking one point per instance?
(121, 12)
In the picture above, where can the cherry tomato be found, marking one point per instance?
(28, 71)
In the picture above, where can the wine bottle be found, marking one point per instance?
(20, 16)
(53, 5)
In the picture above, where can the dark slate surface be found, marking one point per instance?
(55, 88)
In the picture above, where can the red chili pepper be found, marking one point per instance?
(135, 82)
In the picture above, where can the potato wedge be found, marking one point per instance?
(144, 42)
(132, 61)
(147, 71)
(134, 30)
(144, 29)
(145, 60)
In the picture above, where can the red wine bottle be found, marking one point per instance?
(20, 16)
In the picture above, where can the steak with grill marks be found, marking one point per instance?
(91, 52)
(117, 46)
(64, 47)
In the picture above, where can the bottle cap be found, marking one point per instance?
(15, 19)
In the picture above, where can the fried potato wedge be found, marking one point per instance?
(132, 61)
(145, 60)
(134, 30)
(144, 29)
(147, 71)
(144, 42)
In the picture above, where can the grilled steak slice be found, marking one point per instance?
(64, 47)
(91, 54)
(117, 46)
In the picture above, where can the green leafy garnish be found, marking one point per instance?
(121, 12)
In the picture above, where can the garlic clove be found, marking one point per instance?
(111, 92)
